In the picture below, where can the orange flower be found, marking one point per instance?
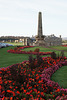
(38, 91)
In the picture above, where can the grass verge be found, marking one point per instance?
(60, 76)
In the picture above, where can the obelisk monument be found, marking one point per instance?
(39, 36)
(40, 24)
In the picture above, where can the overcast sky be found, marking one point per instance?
(20, 17)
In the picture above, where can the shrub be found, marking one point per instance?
(31, 61)
(30, 51)
(36, 50)
(39, 59)
(62, 54)
(53, 55)
(34, 63)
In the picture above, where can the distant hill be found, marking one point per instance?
(64, 38)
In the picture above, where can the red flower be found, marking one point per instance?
(58, 90)
(18, 92)
(35, 90)
(0, 72)
(27, 85)
(50, 92)
(27, 93)
(53, 95)
(30, 87)
(62, 94)
(13, 83)
(37, 77)
(24, 91)
(10, 81)
(10, 87)
(11, 98)
(9, 91)
(42, 93)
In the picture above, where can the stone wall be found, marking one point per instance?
(53, 40)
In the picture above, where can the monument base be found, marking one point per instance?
(39, 43)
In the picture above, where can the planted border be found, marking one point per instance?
(36, 85)
(59, 92)
(19, 51)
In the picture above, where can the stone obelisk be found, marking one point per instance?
(39, 36)
(40, 32)
(40, 24)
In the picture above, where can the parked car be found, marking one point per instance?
(2, 45)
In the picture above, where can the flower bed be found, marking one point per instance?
(19, 51)
(20, 82)
(64, 45)
(57, 90)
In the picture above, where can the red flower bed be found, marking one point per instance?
(64, 45)
(19, 51)
(20, 82)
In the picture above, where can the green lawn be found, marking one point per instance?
(60, 76)
(7, 59)
(59, 48)
(42, 49)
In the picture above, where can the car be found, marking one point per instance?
(3, 45)
(0, 45)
